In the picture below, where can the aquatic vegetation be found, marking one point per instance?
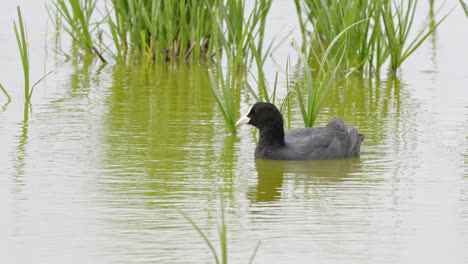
(315, 92)
(329, 18)
(261, 80)
(260, 59)
(383, 35)
(36, 83)
(228, 83)
(397, 30)
(263, 91)
(222, 231)
(241, 34)
(171, 30)
(327, 70)
(5, 92)
(77, 15)
(21, 39)
(163, 30)
(287, 100)
(464, 7)
(236, 55)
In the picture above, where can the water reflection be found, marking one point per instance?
(271, 175)
(162, 125)
(433, 38)
(19, 161)
(380, 109)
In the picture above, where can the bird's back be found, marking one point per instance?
(336, 140)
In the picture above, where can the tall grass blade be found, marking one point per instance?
(21, 39)
(304, 111)
(397, 27)
(219, 101)
(287, 99)
(274, 89)
(464, 7)
(255, 252)
(252, 92)
(34, 85)
(222, 232)
(368, 45)
(200, 232)
(327, 71)
(5, 92)
(77, 15)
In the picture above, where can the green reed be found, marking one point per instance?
(236, 53)
(329, 18)
(6, 93)
(222, 232)
(287, 100)
(260, 60)
(397, 27)
(227, 84)
(383, 35)
(77, 15)
(240, 34)
(163, 29)
(22, 41)
(23, 46)
(464, 7)
(316, 91)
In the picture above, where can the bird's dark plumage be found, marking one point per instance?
(335, 140)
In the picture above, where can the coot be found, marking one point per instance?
(335, 140)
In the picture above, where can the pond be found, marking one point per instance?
(100, 165)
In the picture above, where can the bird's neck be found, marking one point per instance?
(272, 135)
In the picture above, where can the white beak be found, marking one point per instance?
(244, 120)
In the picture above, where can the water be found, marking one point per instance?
(96, 169)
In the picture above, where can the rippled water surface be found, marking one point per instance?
(96, 169)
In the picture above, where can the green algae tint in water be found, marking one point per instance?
(107, 161)
(165, 148)
(96, 168)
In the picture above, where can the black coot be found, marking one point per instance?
(335, 140)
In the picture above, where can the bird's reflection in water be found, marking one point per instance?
(271, 175)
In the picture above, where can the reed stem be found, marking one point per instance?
(21, 39)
